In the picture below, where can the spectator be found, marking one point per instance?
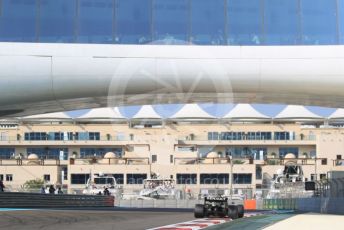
(42, 190)
(106, 192)
(51, 189)
(2, 186)
(59, 191)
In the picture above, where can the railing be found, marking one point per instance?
(35, 200)
(111, 161)
(245, 138)
(210, 160)
(301, 161)
(46, 162)
(339, 162)
(101, 138)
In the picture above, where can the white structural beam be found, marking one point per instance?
(40, 78)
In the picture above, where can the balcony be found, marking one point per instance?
(338, 162)
(210, 160)
(203, 140)
(299, 161)
(103, 140)
(31, 162)
(110, 161)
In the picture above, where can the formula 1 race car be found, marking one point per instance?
(218, 207)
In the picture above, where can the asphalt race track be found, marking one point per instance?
(89, 219)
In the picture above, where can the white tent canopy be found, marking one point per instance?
(244, 111)
(296, 112)
(338, 114)
(48, 116)
(146, 112)
(103, 113)
(191, 111)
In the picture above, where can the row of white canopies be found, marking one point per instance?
(194, 112)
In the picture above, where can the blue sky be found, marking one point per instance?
(214, 109)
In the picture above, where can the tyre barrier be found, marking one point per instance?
(36, 200)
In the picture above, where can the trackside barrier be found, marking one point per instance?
(280, 204)
(157, 203)
(35, 200)
(317, 204)
(250, 205)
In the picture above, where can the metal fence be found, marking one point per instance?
(35, 200)
(316, 204)
(157, 203)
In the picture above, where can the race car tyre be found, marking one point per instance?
(233, 212)
(199, 211)
(241, 211)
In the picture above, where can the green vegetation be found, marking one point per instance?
(33, 184)
(238, 162)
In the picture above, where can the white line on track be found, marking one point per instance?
(205, 222)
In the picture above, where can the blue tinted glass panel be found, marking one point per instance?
(341, 20)
(95, 21)
(18, 20)
(171, 21)
(281, 20)
(133, 21)
(244, 22)
(207, 22)
(57, 20)
(319, 22)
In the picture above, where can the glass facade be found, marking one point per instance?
(136, 178)
(285, 150)
(79, 178)
(242, 178)
(199, 22)
(6, 153)
(214, 178)
(242, 152)
(99, 152)
(186, 178)
(49, 153)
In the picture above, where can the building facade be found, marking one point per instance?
(196, 154)
(240, 51)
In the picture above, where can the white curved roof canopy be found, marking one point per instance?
(48, 116)
(338, 114)
(103, 114)
(295, 112)
(192, 111)
(147, 112)
(242, 74)
(244, 111)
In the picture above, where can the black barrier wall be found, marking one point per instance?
(33, 200)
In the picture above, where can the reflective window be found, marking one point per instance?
(214, 178)
(319, 22)
(136, 178)
(95, 23)
(341, 20)
(207, 22)
(170, 22)
(49, 153)
(242, 178)
(133, 21)
(7, 153)
(281, 20)
(244, 22)
(119, 178)
(186, 178)
(17, 20)
(285, 150)
(57, 21)
(79, 178)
